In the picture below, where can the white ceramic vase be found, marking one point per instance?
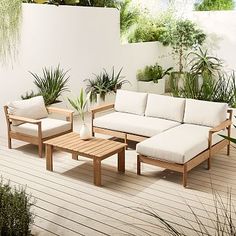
(84, 132)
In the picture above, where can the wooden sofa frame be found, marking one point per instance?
(36, 140)
(182, 168)
(113, 133)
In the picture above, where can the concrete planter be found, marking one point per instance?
(110, 98)
(151, 87)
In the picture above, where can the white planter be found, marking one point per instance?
(84, 132)
(151, 87)
(110, 98)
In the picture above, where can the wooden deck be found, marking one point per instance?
(67, 202)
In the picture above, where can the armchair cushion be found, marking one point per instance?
(33, 108)
(134, 124)
(131, 102)
(205, 113)
(179, 144)
(165, 107)
(50, 127)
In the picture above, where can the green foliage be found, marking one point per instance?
(50, 85)
(214, 5)
(152, 73)
(207, 88)
(147, 30)
(104, 83)
(16, 217)
(10, 20)
(92, 3)
(204, 64)
(80, 103)
(129, 15)
(182, 36)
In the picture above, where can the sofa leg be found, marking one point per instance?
(209, 163)
(184, 175)
(40, 150)
(138, 165)
(228, 149)
(126, 142)
(9, 143)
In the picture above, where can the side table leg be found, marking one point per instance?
(121, 160)
(97, 171)
(49, 159)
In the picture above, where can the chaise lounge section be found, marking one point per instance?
(174, 133)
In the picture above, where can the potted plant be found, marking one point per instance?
(152, 79)
(16, 217)
(80, 104)
(103, 87)
(51, 84)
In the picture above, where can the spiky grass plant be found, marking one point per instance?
(222, 220)
(104, 83)
(51, 84)
(10, 21)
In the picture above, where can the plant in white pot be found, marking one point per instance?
(103, 87)
(152, 79)
(80, 105)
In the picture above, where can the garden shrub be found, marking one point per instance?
(16, 217)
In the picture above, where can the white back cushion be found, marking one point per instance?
(165, 107)
(33, 108)
(205, 113)
(130, 102)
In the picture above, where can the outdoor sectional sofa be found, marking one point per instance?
(173, 133)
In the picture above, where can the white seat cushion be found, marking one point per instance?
(134, 124)
(166, 107)
(130, 102)
(33, 108)
(50, 127)
(179, 144)
(205, 113)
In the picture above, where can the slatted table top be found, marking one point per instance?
(94, 147)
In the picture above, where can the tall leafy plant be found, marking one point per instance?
(214, 5)
(10, 20)
(183, 35)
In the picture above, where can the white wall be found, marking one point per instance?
(84, 40)
(220, 27)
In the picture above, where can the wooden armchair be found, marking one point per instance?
(36, 131)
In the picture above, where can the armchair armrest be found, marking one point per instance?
(68, 113)
(103, 108)
(221, 126)
(24, 119)
(59, 110)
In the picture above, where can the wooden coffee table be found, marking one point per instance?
(95, 148)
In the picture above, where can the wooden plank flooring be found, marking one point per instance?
(67, 202)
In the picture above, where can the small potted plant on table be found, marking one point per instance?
(80, 105)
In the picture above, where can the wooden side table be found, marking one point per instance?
(95, 148)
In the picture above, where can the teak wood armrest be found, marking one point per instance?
(221, 126)
(24, 119)
(66, 112)
(103, 108)
(59, 110)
